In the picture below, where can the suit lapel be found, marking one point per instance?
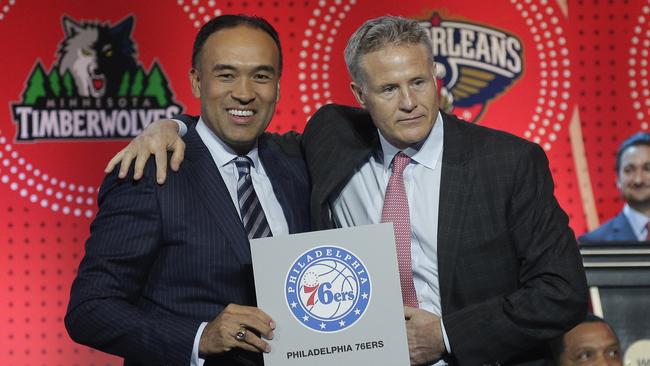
(278, 170)
(454, 193)
(622, 229)
(215, 196)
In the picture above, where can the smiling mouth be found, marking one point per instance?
(241, 113)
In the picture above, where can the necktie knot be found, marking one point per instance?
(252, 214)
(400, 161)
(243, 164)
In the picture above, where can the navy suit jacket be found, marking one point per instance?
(616, 229)
(510, 273)
(161, 259)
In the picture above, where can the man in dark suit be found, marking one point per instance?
(167, 276)
(493, 269)
(633, 180)
(508, 273)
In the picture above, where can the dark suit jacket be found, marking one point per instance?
(616, 229)
(161, 259)
(509, 269)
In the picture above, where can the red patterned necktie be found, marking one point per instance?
(396, 210)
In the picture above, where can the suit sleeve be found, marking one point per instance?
(550, 293)
(106, 306)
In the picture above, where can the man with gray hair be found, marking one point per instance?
(489, 267)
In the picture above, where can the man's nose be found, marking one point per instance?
(243, 92)
(407, 101)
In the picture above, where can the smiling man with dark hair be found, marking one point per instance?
(167, 276)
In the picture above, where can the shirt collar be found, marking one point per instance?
(221, 153)
(637, 220)
(425, 153)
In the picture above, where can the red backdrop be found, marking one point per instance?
(581, 89)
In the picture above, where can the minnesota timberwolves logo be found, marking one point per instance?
(96, 89)
(475, 64)
(328, 289)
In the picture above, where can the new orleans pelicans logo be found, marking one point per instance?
(474, 62)
(328, 289)
(96, 89)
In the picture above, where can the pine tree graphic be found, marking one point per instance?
(124, 85)
(55, 82)
(35, 85)
(138, 81)
(68, 84)
(157, 86)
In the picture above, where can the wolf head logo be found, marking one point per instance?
(97, 55)
(96, 89)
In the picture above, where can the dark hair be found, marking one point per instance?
(639, 138)
(232, 21)
(556, 345)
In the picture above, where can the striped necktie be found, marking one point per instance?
(252, 215)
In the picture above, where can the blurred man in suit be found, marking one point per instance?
(633, 180)
(167, 276)
(592, 342)
(488, 265)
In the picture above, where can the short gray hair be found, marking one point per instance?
(376, 34)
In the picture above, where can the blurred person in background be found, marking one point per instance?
(633, 180)
(592, 342)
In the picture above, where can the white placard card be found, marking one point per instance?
(334, 295)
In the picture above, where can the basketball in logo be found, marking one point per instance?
(328, 289)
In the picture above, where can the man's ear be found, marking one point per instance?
(195, 82)
(277, 98)
(357, 90)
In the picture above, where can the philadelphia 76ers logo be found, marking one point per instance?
(328, 289)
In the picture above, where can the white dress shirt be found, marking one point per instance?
(638, 221)
(223, 156)
(362, 199)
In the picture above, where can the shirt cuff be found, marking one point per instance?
(444, 337)
(196, 360)
(182, 127)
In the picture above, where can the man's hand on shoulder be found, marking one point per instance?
(158, 138)
(220, 335)
(424, 335)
